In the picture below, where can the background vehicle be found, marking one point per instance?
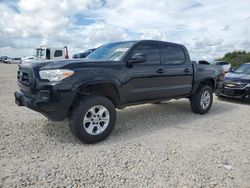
(29, 58)
(216, 67)
(115, 75)
(3, 58)
(51, 53)
(7, 60)
(237, 83)
(226, 66)
(84, 54)
(16, 60)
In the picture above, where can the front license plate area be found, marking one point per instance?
(228, 91)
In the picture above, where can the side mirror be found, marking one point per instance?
(231, 70)
(138, 58)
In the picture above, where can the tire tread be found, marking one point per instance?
(195, 100)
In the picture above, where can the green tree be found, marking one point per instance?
(236, 58)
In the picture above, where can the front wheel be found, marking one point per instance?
(93, 119)
(202, 100)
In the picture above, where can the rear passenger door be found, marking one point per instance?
(145, 81)
(178, 70)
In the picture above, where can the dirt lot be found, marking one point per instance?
(162, 145)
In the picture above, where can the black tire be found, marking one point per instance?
(195, 100)
(80, 111)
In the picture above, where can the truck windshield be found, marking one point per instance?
(40, 53)
(111, 52)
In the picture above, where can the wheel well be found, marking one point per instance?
(106, 89)
(209, 82)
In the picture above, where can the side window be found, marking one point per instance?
(222, 63)
(173, 55)
(58, 53)
(151, 51)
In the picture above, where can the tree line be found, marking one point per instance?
(236, 58)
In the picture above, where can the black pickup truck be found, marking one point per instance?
(115, 75)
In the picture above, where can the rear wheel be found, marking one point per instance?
(93, 119)
(202, 100)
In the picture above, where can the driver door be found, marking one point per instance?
(145, 80)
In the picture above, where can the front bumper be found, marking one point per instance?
(240, 93)
(218, 88)
(54, 109)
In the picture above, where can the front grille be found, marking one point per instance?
(24, 76)
(235, 85)
(233, 92)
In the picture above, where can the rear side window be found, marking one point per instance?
(58, 53)
(173, 55)
(151, 51)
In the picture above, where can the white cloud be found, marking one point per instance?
(208, 28)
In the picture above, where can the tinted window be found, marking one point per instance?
(173, 55)
(222, 63)
(151, 51)
(58, 53)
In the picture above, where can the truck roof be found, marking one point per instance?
(148, 40)
(47, 47)
(159, 42)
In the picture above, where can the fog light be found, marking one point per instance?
(44, 95)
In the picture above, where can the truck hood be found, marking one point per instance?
(42, 63)
(237, 77)
(63, 64)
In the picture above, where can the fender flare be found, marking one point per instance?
(197, 83)
(117, 86)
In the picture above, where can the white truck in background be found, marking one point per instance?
(48, 53)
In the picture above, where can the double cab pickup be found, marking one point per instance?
(115, 75)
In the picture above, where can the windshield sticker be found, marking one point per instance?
(121, 49)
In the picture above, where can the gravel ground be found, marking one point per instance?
(162, 145)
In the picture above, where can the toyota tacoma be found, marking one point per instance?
(115, 75)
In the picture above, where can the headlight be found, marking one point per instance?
(56, 74)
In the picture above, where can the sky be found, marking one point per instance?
(208, 28)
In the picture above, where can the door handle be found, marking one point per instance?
(160, 71)
(186, 70)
